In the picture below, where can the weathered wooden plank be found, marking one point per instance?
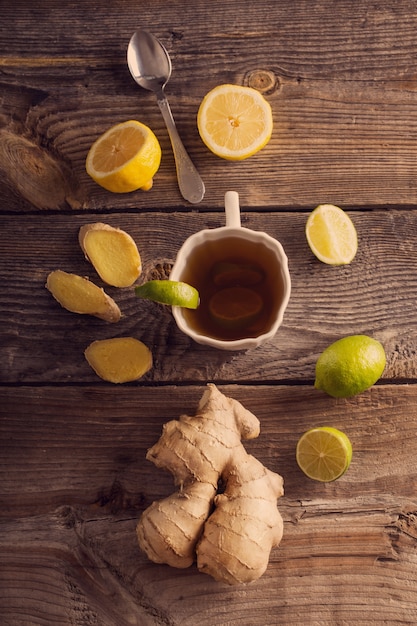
(330, 144)
(99, 436)
(73, 474)
(343, 108)
(330, 37)
(43, 343)
(80, 481)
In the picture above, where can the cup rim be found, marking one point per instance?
(254, 235)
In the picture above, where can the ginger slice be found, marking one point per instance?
(119, 360)
(112, 252)
(80, 295)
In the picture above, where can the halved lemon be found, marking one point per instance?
(331, 235)
(125, 158)
(234, 121)
(324, 453)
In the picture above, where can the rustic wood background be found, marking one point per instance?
(341, 79)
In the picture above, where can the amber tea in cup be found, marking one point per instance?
(243, 281)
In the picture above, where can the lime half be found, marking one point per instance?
(324, 453)
(331, 235)
(174, 293)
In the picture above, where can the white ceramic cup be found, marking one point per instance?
(277, 270)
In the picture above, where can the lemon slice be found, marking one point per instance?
(124, 158)
(236, 274)
(234, 122)
(324, 453)
(331, 235)
(235, 307)
(174, 293)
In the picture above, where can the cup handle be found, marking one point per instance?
(231, 205)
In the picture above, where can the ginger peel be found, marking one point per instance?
(232, 543)
(112, 252)
(245, 525)
(169, 528)
(120, 359)
(79, 295)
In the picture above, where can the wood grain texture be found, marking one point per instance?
(348, 547)
(343, 108)
(341, 80)
(376, 295)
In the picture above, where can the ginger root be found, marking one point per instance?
(169, 528)
(119, 360)
(245, 525)
(232, 543)
(80, 295)
(112, 252)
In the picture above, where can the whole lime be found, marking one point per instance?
(349, 366)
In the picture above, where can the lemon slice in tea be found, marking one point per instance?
(236, 274)
(174, 293)
(324, 453)
(235, 307)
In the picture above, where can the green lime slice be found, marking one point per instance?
(331, 235)
(174, 293)
(324, 453)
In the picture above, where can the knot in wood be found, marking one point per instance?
(160, 271)
(263, 81)
(34, 174)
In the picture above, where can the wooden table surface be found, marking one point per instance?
(342, 82)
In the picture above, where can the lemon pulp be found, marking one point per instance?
(234, 121)
(124, 158)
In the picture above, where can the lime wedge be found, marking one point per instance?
(324, 453)
(331, 235)
(174, 293)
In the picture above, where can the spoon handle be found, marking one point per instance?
(189, 180)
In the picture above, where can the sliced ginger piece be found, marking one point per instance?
(112, 252)
(80, 295)
(119, 360)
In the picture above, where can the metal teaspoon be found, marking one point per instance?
(150, 66)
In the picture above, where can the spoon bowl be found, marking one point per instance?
(148, 61)
(150, 67)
